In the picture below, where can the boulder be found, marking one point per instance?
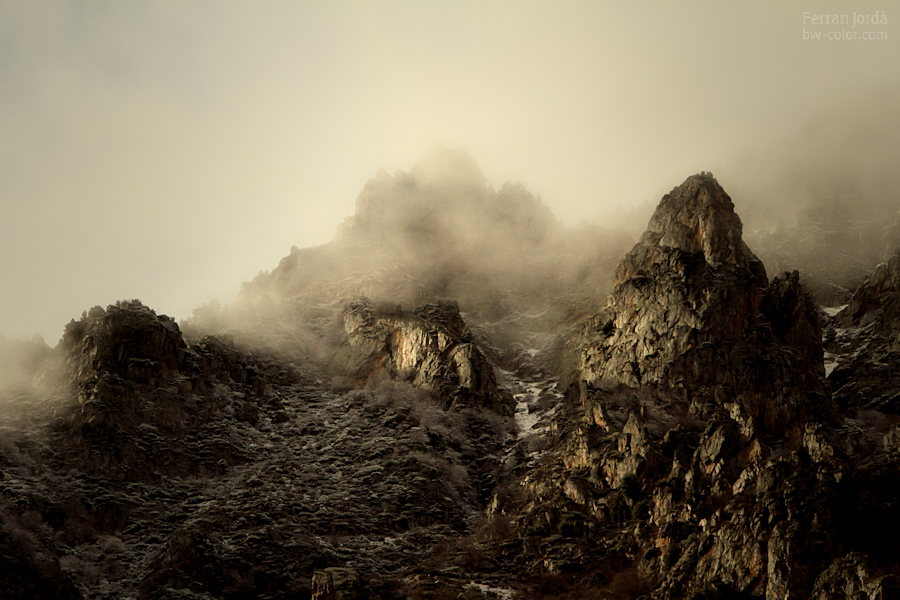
(431, 348)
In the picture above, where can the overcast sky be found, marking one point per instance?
(168, 151)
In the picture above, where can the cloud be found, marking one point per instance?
(169, 150)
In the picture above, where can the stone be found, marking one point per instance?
(698, 441)
(431, 348)
(692, 308)
(690, 448)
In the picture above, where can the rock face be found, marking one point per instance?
(140, 393)
(176, 469)
(431, 348)
(877, 301)
(385, 422)
(700, 449)
(692, 309)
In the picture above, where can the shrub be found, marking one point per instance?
(629, 584)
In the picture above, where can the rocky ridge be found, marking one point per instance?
(176, 469)
(692, 309)
(363, 425)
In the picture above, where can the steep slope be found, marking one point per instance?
(862, 340)
(196, 469)
(692, 308)
(380, 417)
(696, 454)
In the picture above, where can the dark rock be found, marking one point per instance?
(700, 446)
(138, 392)
(336, 583)
(692, 309)
(691, 450)
(248, 413)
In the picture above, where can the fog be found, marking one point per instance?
(169, 151)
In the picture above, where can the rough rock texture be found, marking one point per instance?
(698, 457)
(431, 348)
(154, 481)
(692, 309)
(136, 397)
(877, 301)
(344, 447)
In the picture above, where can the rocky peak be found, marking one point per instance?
(700, 414)
(444, 201)
(689, 310)
(126, 338)
(131, 382)
(697, 217)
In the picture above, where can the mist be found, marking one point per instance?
(825, 201)
(169, 151)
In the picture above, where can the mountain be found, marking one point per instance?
(702, 452)
(437, 232)
(460, 397)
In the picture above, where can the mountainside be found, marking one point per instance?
(458, 397)
(702, 452)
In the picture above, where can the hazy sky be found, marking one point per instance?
(168, 151)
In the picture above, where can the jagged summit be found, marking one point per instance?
(692, 307)
(697, 216)
(444, 201)
(136, 389)
(702, 410)
(451, 167)
(437, 232)
(380, 417)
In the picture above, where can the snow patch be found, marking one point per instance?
(833, 310)
(831, 362)
(501, 593)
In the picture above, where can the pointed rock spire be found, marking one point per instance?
(697, 218)
(690, 310)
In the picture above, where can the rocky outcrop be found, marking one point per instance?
(431, 348)
(876, 301)
(698, 446)
(692, 309)
(357, 440)
(149, 492)
(138, 394)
